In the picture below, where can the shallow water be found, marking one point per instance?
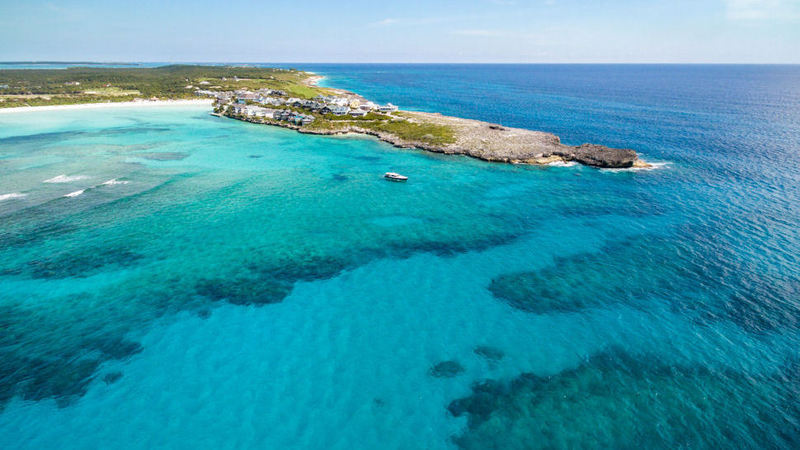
(241, 286)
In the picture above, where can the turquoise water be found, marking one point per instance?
(241, 286)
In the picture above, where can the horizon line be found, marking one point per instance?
(400, 62)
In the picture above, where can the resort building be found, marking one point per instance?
(387, 108)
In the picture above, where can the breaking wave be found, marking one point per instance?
(11, 196)
(76, 193)
(65, 179)
(113, 182)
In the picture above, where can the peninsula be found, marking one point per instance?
(290, 98)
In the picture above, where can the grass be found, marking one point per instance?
(111, 91)
(430, 133)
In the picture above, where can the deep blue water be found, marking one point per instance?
(240, 286)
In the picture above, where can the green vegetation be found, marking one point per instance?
(33, 87)
(424, 132)
(428, 133)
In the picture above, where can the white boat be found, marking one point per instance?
(394, 176)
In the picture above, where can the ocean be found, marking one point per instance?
(176, 280)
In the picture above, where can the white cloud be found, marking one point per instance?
(762, 9)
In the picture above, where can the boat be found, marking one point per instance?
(394, 176)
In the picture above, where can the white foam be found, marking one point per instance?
(650, 166)
(76, 193)
(11, 196)
(114, 181)
(65, 179)
(562, 164)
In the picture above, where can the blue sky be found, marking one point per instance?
(550, 31)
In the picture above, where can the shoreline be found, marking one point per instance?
(566, 157)
(314, 79)
(78, 106)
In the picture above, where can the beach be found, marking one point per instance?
(145, 103)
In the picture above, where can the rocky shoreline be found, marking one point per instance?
(488, 142)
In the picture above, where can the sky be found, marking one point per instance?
(480, 31)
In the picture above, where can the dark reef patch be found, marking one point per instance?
(81, 262)
(449, 247)
(114, 131)
(61, 378)
(616, 401)
(489, 353)
(115, 348)
(111, 378)
(446, 369)
(657, 269)
(40, 138)
(244, 291)
(54, 363)
(32, 235)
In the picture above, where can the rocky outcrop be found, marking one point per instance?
(602, 156)
(491, 142)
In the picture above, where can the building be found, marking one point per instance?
(387, 108)
(340, 110)
(339, 101)
(358, 113)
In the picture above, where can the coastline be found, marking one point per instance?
(314, 79)
(491, 143)
(142, 104)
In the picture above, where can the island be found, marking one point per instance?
(292, 99)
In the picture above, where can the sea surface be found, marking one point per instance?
(170, 279)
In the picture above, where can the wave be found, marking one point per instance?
(65, 179)
(11, 196)
(113, 182)
(76, 193)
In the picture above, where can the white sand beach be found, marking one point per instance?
(145, 103)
